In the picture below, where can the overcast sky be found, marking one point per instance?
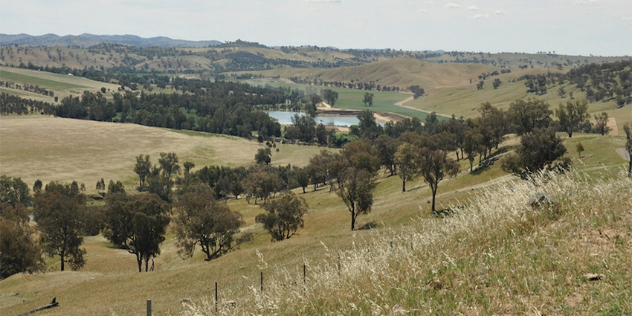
(575, 27)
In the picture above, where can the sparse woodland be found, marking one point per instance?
(498, 252)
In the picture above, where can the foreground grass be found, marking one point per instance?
(495, 256)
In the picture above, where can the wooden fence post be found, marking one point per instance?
(304, 274)
(148, 307)
(261, 281)
(216, 297)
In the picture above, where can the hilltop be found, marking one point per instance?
(87, 40)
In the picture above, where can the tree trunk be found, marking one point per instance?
(61, 254)
(352, 221)
(139, 261)
(434, 194)
(403, 184)
(630, 166)
(471, 165)
(147, 265)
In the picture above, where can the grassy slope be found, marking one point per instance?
(108, 284)
(46, 148)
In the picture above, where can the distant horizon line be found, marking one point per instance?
(300, 46)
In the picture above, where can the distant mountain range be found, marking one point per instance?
(86, 40)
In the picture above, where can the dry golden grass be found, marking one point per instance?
(491, 258)
(47, 148)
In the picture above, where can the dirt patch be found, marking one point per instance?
(612, 123)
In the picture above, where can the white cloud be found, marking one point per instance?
(479, 16)
(499, 12)
(472, 8)
(422, 10)
(627, 18)
(452, 5)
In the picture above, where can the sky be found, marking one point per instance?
(571, 27)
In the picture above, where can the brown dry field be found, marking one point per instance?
(65, 150)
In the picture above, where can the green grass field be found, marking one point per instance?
(352, 99)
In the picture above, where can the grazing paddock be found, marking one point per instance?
(47, 148)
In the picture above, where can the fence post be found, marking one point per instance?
(216, 297)
(304, 273)
(261, 281)
(338, 264)
(148, 307)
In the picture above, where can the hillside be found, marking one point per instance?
(65, 150)
(494, 256)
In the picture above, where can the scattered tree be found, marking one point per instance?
(572, 115)
(406, 160)
(137, 223)
(142, 168)
(356, 190)
(433, 166)
(58, 212)
(202, 220)
(284, 215)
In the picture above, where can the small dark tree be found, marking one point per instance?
(496, 83)
(117, 187)
(142, 168)
(202, 220)
(580, 149)
(417, 91)
(58, 212)
(302, 178)
(601, 124)
(356, 190)
(479, 85)
(406, 160)
(330, 96)
(368, 99)
(284, 216)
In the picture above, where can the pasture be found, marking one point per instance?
(109, 285)
(65, 150)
